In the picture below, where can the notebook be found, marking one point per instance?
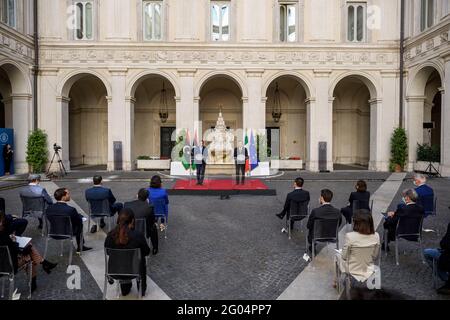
(23, 241)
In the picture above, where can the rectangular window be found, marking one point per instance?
(288, 23)
(426, 14)
(153, 19)
(84, 15)
(8, 12)
(220, 21)
(356, 21)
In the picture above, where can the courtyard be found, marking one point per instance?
(233, 249)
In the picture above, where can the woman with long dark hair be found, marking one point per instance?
(125, 237)
(357, 200)
(8, 153)
(21, 257)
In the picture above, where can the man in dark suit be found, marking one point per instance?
(143, 210)
(410, 210)
(325, 211)
(240, 156)
(298, 195)
(98, 193)
(200, 155)
(61, 208)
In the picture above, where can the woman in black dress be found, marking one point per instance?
(358, 200)
(7, 158)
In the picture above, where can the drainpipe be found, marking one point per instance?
(402, 63)
(36, 64)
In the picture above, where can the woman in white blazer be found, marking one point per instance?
(360, 264)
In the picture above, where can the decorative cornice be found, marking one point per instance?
(375, 101)
(320, 73)
(187, 72)
(415, 98)
(130, 100)
(62, 99)
(254, 73)
(21, 96)
(310, 100)
(118, 71)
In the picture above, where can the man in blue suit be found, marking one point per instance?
(98, 193)
(425, 194)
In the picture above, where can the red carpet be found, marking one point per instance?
(250, 184)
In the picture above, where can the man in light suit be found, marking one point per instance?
(240, 157)
(34, 190)
(200, 157)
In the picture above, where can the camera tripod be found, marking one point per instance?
(62, 169)
(431, 170)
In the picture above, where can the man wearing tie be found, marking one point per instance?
(240, 156)
(200, 157)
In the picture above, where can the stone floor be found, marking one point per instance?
(230, 249)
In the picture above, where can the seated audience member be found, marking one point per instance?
(410, 209)
(13, 224)
(143, 210)
(358, 200)
(325, 211)
(363, 235)
(20, 257)
(125, 237)
(442, 256)
(61, 208)
(298, 195)
(34, 190)
(425, 194)
(158, 198)
(98, 193)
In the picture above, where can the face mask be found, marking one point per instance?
(403, 199)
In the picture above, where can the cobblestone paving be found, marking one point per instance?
(233, 249)
(412, 277)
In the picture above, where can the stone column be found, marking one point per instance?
(445, 120)
(119, 119)
(61, 136)
(377, 154)
(255, 115)
(22, 124)
(320, 121)
(312, 154)
(188, 106)
(129, 159)
(414, 127)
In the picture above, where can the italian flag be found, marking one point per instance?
(246, 145)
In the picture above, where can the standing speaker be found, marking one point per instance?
(428, 125)
(117, 145)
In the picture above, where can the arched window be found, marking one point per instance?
(8, 10)
(288, 22)
(153, 20)
(84, 15)
(426, 14)
(220, 20)
(356, 21)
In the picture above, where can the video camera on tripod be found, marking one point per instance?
(62, 170)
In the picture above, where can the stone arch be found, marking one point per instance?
(419, 76)
(301, 78)
(20, 83)
(368, 79)
(238, 80)
(69, 80)
(137, 80)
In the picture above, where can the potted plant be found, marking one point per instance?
(37, 151)
(427, 154)
(399, 150)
